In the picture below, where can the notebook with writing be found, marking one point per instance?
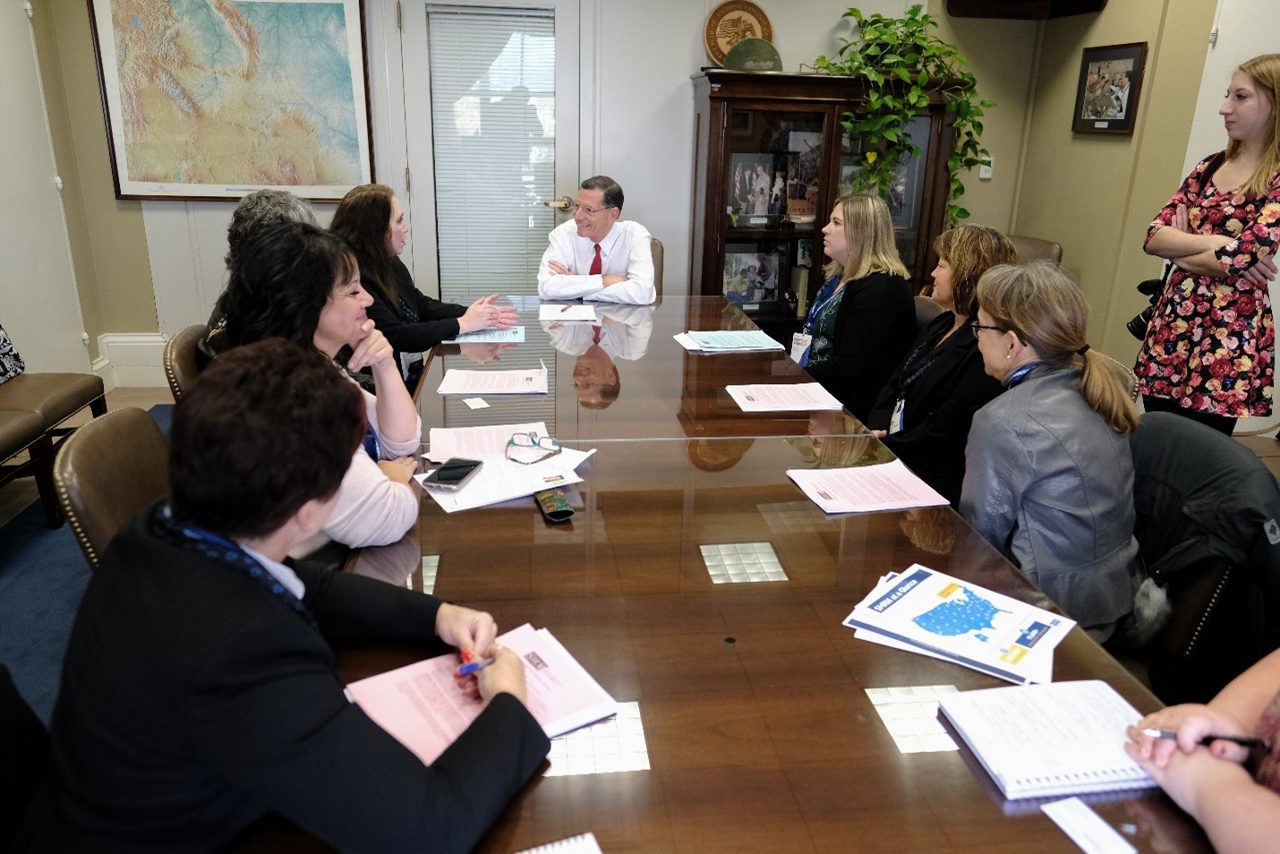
(1061, 738)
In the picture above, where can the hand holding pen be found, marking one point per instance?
(501, 670)
(1186, 728)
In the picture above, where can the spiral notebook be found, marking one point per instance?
(1061, 738)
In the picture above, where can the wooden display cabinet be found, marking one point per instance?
(770, 159)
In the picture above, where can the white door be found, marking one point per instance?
(492, 111)
(38, 304)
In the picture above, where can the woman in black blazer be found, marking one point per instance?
(199, 691)
(923, 412)
(371, 218)
(862, 320)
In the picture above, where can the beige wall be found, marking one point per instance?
(1096, 193)
(1001, 55)
(108, 244)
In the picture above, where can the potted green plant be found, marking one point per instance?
(902, 65)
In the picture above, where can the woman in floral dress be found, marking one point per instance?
(1209, 349)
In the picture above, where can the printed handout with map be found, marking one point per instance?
(214, 99)
(924, 611)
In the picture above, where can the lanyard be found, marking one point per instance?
(221, 549)
(817, 307)
(1020, 374)
(936, 346)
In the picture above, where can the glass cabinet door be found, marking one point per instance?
(907, 192)
(771, 177)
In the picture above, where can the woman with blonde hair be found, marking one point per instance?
(1210, 346)
(863, 319)
(924, 411)
(1048, 475)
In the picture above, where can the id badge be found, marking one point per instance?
(800, 342)
(895, 420)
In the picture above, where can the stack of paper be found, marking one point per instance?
(513, 335)
(865, 489)
(421, 706)
(924, 611)
(727, 341)
(1041, 740)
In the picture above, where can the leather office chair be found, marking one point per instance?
(656, 247)
(106, 472)
(23, 747)
(926, 310)
(1208, 513)
(1035, 249)
(180, 365)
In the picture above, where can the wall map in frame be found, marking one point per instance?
(730, 23)
(213, 100)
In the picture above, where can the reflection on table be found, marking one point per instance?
(622, 378)
(712, 595)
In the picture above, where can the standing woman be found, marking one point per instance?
(299, 282)
(924, 411)
(864, 317)
(1210, 346)
(371, 218)
(1048, 476)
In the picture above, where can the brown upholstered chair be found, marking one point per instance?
(927, 309)
(107, 471)
(180, 365)
(23, 430)
(656, 247)
(1035, 249)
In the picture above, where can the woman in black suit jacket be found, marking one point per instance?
(862, 320)
(371, 218)
(923, 412)
(199, 691)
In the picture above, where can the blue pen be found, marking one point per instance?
(472, 666)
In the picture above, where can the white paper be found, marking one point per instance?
(511, 335)
(583, 843)
(503, 480)
(862, 489)
(727, 341)
(476, 443)
(781, 397)
(1086, 828)
(529, 381)
(475, 403)
(567, 311)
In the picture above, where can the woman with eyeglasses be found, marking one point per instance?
(863, 319)
(924, 411)
(1048, 474)
(371, 219)
(301, 283)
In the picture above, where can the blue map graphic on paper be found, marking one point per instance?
(960, 615)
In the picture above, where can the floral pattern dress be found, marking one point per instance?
(1210, 345)
(1267, 769)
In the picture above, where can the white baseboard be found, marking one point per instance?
(131, 360)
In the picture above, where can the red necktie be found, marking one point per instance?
(595, 335)
(596, 267)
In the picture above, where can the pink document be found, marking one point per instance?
(421, 706)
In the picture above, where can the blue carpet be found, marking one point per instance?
(43, 575)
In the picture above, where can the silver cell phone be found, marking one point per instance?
(453, 473)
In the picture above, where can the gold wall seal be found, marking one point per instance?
(730, 23)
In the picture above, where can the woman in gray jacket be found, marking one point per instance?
(1048, 475)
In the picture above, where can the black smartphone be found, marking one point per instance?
(452, 473)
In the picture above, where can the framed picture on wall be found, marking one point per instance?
(215, 100)
(1107, 93)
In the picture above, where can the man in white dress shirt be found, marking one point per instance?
(596, 256)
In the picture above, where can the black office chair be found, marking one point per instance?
(24, 745)
(1208, 530)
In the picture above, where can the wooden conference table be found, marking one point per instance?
(759, 733)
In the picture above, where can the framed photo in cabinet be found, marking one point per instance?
(752, 274)
(757, 188)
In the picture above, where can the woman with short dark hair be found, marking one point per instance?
(199, 691)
